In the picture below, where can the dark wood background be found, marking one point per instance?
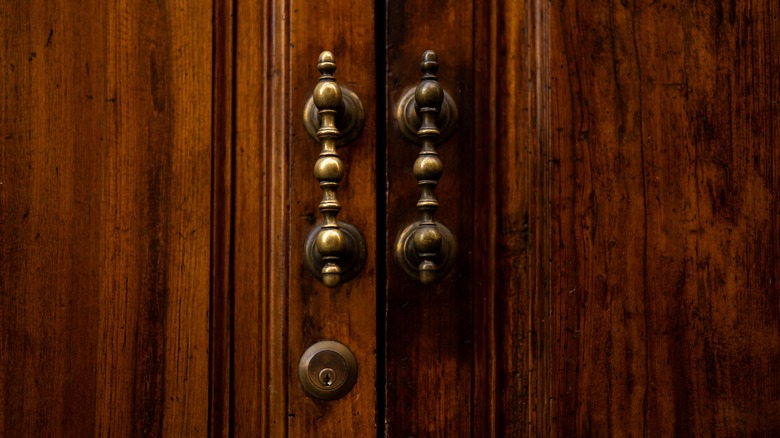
(105, 225)
(663, 190)
(612, 185)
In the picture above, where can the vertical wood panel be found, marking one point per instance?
(507, 225)
(222, 297)
(260, 251)
(105, 188)
(664, 218)
(458, 352)
(430, 338)
(279, 307)
(346, 313)
(540, 350)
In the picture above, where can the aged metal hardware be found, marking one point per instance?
(352, 261)
(350, 117)
(407, 112)
(410, 259)
(334, 252)
(327, 370)
(426, 249)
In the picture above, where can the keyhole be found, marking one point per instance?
(327, 376)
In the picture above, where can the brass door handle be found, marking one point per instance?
(426, 249)
(334, 251)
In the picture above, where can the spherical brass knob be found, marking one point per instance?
(329, 168)
(326, 64)
(327, 93)
(329, 96)
(428, 167)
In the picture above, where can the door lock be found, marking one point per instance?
(327, 370)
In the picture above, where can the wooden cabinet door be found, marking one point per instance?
(611, 184)
(273, 307)
(611, 188)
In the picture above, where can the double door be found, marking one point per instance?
(610, 183)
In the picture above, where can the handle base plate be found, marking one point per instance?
(352, 261)
(349, 122)
(408, 259)
(409, 121)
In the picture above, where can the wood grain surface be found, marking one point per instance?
(663, 187)
(507, 222)
(459, 352)
(260, 157)
(221, 309)
(612, 185)
(104, 218)
(621, 274)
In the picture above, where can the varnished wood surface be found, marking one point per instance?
(539, 349)
(663, 144)
(623, 174)
(222, 267)
(459, 352)
(104, 218)
(612, 185)
(261, 211)
(506, 223)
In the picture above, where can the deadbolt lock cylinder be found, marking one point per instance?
(327, 370)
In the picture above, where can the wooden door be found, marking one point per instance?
(273, 307)
(611, 184)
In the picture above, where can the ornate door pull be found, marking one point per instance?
(334, 252)
(426, 249)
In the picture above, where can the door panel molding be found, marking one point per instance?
(221, 308)
(261, 115)
(510, 219)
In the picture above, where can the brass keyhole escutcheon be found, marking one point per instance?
(327, 370)
(327, 377)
